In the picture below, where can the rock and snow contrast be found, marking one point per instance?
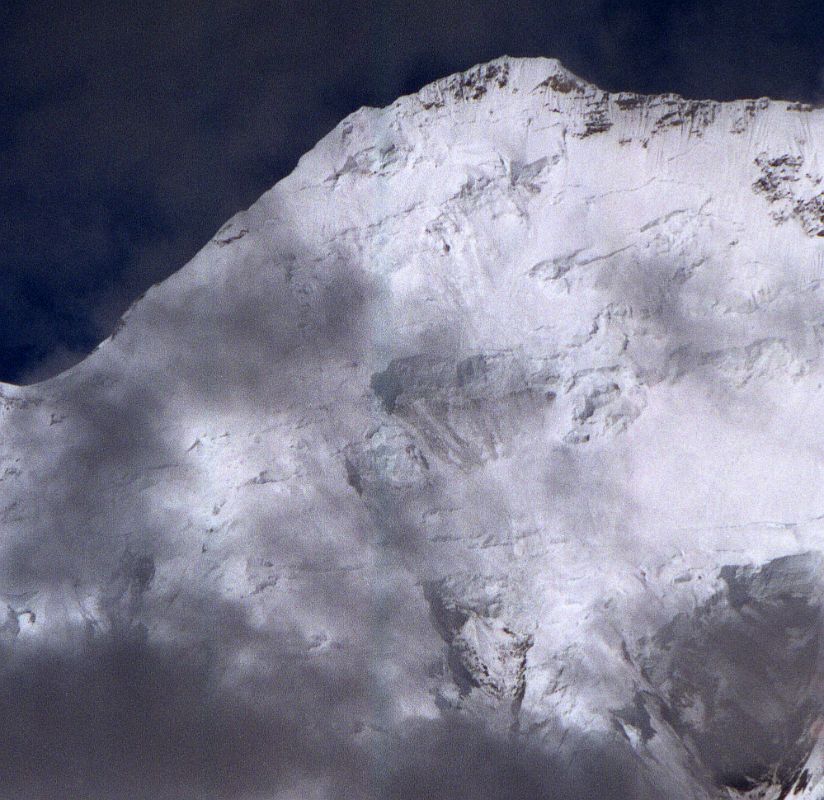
(482, 457)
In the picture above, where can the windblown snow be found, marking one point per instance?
(481, 457)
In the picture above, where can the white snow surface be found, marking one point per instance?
(495, 427)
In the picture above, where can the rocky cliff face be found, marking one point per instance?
(481, 457)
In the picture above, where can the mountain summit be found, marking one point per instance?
(480, 458)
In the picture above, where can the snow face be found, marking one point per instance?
(480, 457)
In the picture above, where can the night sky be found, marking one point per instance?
(130, 132)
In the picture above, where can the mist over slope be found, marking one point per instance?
(479, 458)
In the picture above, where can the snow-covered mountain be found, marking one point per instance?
(480, 458)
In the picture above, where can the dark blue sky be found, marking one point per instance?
(130, 132)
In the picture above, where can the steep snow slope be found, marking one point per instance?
(481, 457)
